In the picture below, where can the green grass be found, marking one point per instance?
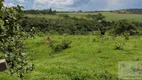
(42, 16)
(89, 57)
(109, 16)
(115, 16)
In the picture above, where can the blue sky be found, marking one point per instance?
(71, 5)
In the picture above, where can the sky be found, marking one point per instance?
(74, 5)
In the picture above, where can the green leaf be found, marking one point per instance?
(1, 3)
(1, 22)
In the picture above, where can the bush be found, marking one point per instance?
(66, 44)
(124, 26)
(62, 46)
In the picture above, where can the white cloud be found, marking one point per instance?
(80, 4)
(112, 4)
(43, 4)
(56, 2)
(21, 1)
(9, 4)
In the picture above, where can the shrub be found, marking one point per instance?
(124, 26)
(58, 48)
(66, 44)
(62, 46)
(119, 42)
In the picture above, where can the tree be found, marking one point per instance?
(50, 11)
(11, 40)
(124, 26)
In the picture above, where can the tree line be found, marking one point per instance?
(134, 11)
(128, 11)
(82, 26)
(45, 11)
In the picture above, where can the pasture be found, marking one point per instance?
(88, 58)
(109, 16)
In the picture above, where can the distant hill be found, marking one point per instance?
(128, 11)
(134, 11)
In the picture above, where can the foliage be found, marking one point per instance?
(119, 46)
(64, 15)
(62, 46)
(96, 17)
(45, 11)
(107, 76)
(119, 43)
(130, 11)
(101, 24)
(11, 40)
(65, 25)
(81, 26)
(124, 26)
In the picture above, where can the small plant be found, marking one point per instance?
(66, 44)
(118, 46)
(126, 36)
(108, 76)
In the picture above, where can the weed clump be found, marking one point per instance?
(118, 46)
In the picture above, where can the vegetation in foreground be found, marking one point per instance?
(11, 41)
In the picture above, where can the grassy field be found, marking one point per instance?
(88, 58)
(109, 16)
